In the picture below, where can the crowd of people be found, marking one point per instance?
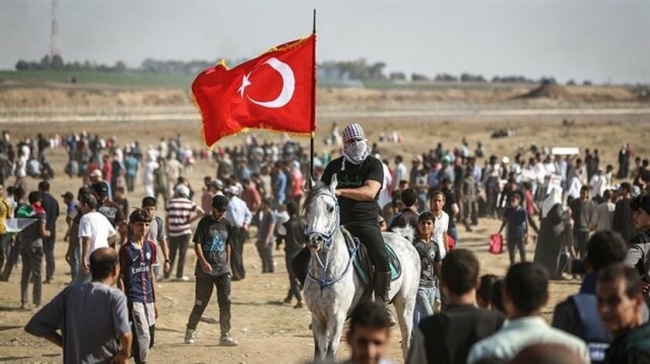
(262, 184)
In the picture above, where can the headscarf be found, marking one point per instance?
(553, 198)
(354, 151)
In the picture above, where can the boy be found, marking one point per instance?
(138, 281)
(30, 245)
(212, 240)
(429, 253)
(292, 233)
(157, 235)
(441, 224)
(517, 220)
(266, 236)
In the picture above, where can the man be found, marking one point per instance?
(526, 292)
(92, 317)
(468, 198)
(138, 282)
(620, 305)
(602, 218)
(157, 234)
(368, 335)
(638, 254)
(51, 207)
(6, 212)
(266, 236)
(408, 217)
(582, 209)
(292, 233)
(251, 196)
(131, 166)
(359, 177)
(622, 221)
(179, 221)
(96, 177)
(401, 172)
(212, 244)
(447, 336)
(442, 221)
(110, 209)
(73, 218)
(451, 208)
(578, 314)
(240, 218)
(95, 231)
(30, 245)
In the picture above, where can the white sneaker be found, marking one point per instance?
(227, 341)
(183, 279)
(189, 336)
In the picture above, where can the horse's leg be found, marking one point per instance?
(319, 330)
(335, 328)
(404, 307)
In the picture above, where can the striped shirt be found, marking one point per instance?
(179, 212)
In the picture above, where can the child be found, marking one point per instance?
(212, 240)
(157, 235)
(429, 252)
(138, 281)
(483, 292)
(517, 220)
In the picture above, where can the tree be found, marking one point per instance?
(44, 64)
(120, 66)
(56, 63)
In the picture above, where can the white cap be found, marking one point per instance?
(96, 173)
(505, 160)
(183, 191)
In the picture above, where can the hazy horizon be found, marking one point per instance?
(601, 41)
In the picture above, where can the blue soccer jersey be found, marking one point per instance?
(135, 269)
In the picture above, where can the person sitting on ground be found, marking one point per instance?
(526, 292)
(620, 303)
(447, 336)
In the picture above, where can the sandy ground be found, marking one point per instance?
(268, 331)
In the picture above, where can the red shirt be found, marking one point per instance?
(252, 198)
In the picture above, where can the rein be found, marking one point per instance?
(328, 239)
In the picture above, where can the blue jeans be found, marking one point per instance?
(75, 262)
(424, 300)
(453, 232)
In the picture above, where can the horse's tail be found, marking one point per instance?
(406, 232)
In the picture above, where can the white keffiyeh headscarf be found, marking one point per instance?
(355, 145)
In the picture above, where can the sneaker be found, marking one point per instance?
(298, 305)
(189, 336)
(184, 278)
(227, 341)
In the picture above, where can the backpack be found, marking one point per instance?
(496, 244)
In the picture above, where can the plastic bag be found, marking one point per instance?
(496, 244)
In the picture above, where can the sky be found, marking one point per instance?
(602, 41)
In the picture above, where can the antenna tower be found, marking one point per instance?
(54, 36)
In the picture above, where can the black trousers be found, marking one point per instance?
(14, 253)
(516, 243)
(203, 291)
(294, 283)
(178, 244)
(369, 235)
(237, 254)
(48, 250)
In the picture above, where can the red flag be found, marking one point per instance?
(273, 91)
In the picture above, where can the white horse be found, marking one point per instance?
(332, 288)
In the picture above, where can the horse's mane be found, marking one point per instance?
(313, 193)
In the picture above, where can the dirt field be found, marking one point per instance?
(268, 331)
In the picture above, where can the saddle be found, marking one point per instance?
(361, 260)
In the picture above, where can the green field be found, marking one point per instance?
(129, 78)
(142, 79)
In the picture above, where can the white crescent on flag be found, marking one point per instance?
(288, 85)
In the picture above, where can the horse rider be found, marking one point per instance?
(360, 177)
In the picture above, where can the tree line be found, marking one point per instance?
(355, 70)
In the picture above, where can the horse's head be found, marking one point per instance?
(322, 214)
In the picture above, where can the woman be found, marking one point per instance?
(552, 234)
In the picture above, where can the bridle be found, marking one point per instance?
(328, 238)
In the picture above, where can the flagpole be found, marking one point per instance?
(313, 101)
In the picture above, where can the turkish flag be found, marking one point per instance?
(274, 91)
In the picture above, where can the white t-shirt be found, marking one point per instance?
(97, 227)
(442, 224)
